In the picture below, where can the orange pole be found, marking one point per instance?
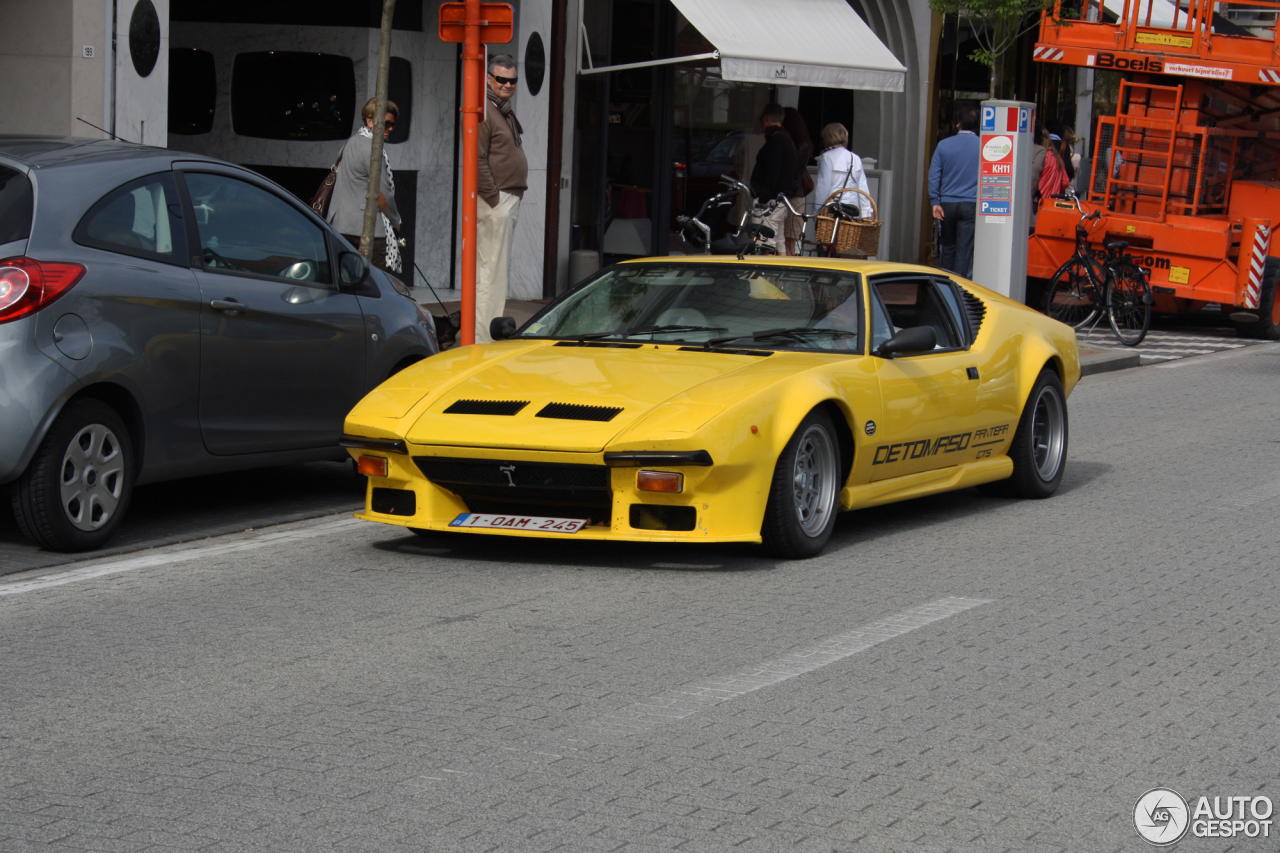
(472, 107)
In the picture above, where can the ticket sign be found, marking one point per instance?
(995, 176)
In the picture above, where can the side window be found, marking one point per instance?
(143, 218)
(919, 302)
(244, 228)
(881, 328)
(952, 300)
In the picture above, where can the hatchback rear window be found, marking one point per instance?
(15, 205)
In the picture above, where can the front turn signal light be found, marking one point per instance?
(372, 466)
(659, 481)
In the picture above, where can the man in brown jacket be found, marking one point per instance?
(503, 178)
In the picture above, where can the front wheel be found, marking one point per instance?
(76, 490)
(801, 511)
(1131, 300)
(1072, 297)
(1039, 448)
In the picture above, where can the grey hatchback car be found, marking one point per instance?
(164, 315)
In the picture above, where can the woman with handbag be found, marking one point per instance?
(838, 167)
(350, 183)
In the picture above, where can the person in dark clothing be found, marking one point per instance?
(775, 171)
(793, 124)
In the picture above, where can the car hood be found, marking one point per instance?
(575, 398)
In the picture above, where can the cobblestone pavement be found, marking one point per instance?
(955, 673)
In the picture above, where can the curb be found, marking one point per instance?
(1104, 361)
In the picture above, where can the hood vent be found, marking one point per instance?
(485, 407)
(975, 309)
(600, 344)
(576, 412)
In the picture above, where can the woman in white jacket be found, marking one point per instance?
(839, 167)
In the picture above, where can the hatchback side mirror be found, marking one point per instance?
(353, 269)
(915, 339)
(501, 328)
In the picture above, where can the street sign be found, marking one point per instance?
(496, 21)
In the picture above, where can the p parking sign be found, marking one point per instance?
(988, 119)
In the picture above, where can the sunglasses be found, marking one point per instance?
(505, 81)
(391, 125)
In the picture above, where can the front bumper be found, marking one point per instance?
(713, 496)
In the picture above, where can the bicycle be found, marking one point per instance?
(745, 239)
(1096, 282)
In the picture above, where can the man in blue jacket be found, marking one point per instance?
(953, 191)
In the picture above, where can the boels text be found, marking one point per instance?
(1110, 60)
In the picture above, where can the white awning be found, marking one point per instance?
(789, 43)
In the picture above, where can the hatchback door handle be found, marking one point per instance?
(230, 305)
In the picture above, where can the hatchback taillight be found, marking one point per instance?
(28, 285)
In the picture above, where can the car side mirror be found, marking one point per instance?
(501, 328)
(353, 269)
(915, 339)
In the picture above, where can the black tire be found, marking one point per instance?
(1267, 326)
(77, 488)
(1071, 296)
(1039, 448)
(1131, 301)
(805, 495)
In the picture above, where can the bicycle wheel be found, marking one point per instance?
(1131, 301)
(1072, 296)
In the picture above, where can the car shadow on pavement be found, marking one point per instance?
(505, 550)
(199, 507)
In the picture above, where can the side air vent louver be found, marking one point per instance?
(975, 309)
(485, 407)
(575, 412)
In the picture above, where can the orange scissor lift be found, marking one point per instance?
(1188, 169)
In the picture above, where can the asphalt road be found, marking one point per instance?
(955, 673)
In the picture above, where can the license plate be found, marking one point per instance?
(527, 523)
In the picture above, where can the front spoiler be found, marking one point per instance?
(595, 533)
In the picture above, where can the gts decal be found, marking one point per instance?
(889, 453)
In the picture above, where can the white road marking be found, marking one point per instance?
(691, 698)
(270, 536)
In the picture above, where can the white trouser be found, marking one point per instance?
(495, 229)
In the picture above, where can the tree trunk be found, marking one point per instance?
(997, 61)
(379, 126)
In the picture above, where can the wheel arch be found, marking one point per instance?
(843, 419)
(126, 406)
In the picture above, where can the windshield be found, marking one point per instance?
(731, 305)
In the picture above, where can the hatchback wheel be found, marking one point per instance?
(77, 488)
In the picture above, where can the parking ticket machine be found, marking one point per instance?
(1005, 190)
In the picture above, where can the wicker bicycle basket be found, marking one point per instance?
(838, 234)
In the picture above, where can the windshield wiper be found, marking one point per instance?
(799, 333)
(673, 328)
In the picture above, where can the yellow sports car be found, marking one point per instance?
(705, 399)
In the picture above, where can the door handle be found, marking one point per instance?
(231, 306)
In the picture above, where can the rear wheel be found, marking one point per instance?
(1131, 301)
(1267, 326)
(1072, 297)
(1039, 448)
(76, 490)
(801, 511)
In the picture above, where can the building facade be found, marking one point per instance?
(277, 85)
